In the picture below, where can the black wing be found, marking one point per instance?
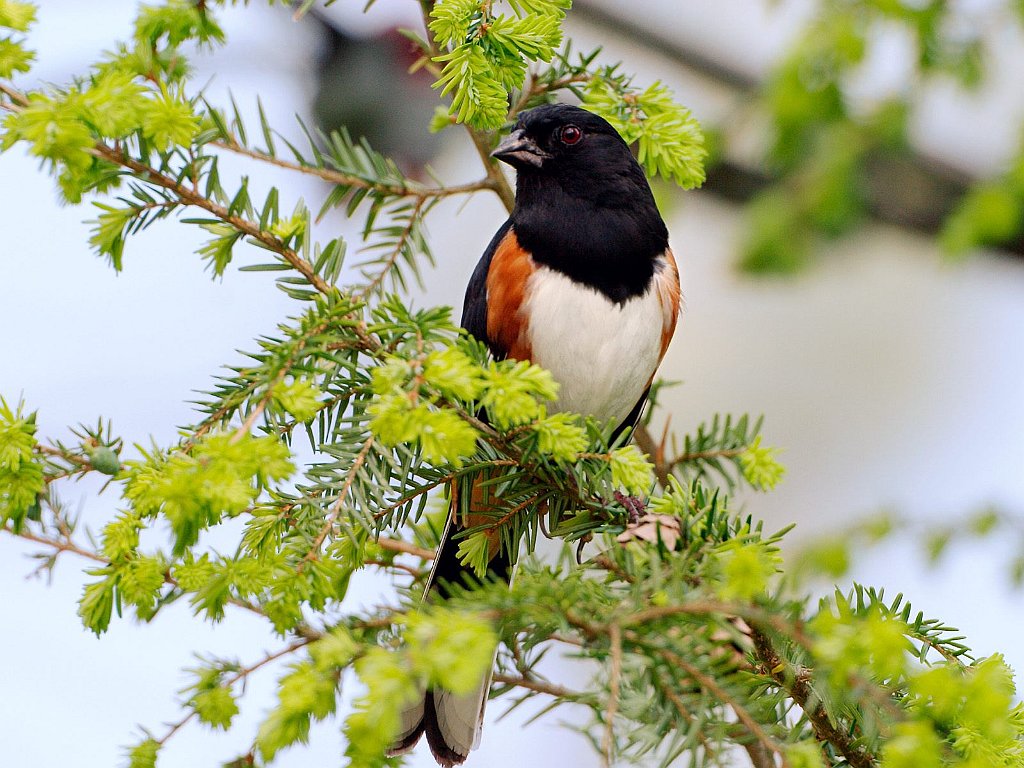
(474, 310)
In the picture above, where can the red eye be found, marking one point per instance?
(570, 135)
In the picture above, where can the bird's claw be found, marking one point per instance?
(635, 506)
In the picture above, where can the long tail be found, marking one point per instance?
(452, 723)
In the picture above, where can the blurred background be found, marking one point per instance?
(853, 269)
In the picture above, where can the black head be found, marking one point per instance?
(583, 204)
(560, 136)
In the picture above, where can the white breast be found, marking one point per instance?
(603, 354)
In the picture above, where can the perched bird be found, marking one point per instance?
(581, 281)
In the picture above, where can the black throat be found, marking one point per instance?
(603, 232)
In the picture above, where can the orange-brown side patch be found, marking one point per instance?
(669, 295)
(510, 271)
(484, 509)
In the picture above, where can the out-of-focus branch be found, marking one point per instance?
(908, 189)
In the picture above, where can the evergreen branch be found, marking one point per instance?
(400, 244)
(750, 614)
(537, 686)
(246, 426)
(58, 545)
(191, 197)
(615, 680)
(18, 99)
(725, 453)
(67, 545)
(514, 511)
(709, 684)
(397, 545)
(760, 756)
(686, 716)
(662, 470)
(797, 684)
(481, 140)
(336, 507)
(497, 179)
(539, 87)
(236, 399)
(350, 180)
(240, 676)
(411, 570)
(77, 464)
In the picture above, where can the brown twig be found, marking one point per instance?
(18, 99)
(797, 685)
(67, 545)
(418, 191)
(481, 140)
(712, 607)
(642, 437)
(397, 545)
(615, 644)
(60, 545)
(710, 685)
(685, 714)
(392, 257)
(539, 686)
(241, 674)
(246, 426)
(332, 517)
(190, 197)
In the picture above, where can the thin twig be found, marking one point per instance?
(349, 180)
(481, 140)
(799, 689)
(60, 545)
(615, 643)
(685, 714)
(385, 564)
(397, 545)
(540, 686)
(642, 437)
(67, 545)
(710, 685)
(246, 425)
(190, 197)
(20, 100)
(332, 517)
(760, 757)
(713, 607)
(241, 674)
(392, 257)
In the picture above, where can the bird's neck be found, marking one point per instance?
(598, 235)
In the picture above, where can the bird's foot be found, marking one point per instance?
(635, 506)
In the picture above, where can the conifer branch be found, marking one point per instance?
(614, 683)
(797, 685)
(189, 196)
(337, 506)
(58, 545)
(538, 686)
(332, 176)
(239, 676)
(709, 684)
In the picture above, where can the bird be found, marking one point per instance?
(581, 281)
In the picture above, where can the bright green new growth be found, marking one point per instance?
(669, 139)
(485, 55)
(699, 642)
(21, 474)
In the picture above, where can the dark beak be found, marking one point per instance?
(518, 149)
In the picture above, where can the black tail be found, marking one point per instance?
(451, 723)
